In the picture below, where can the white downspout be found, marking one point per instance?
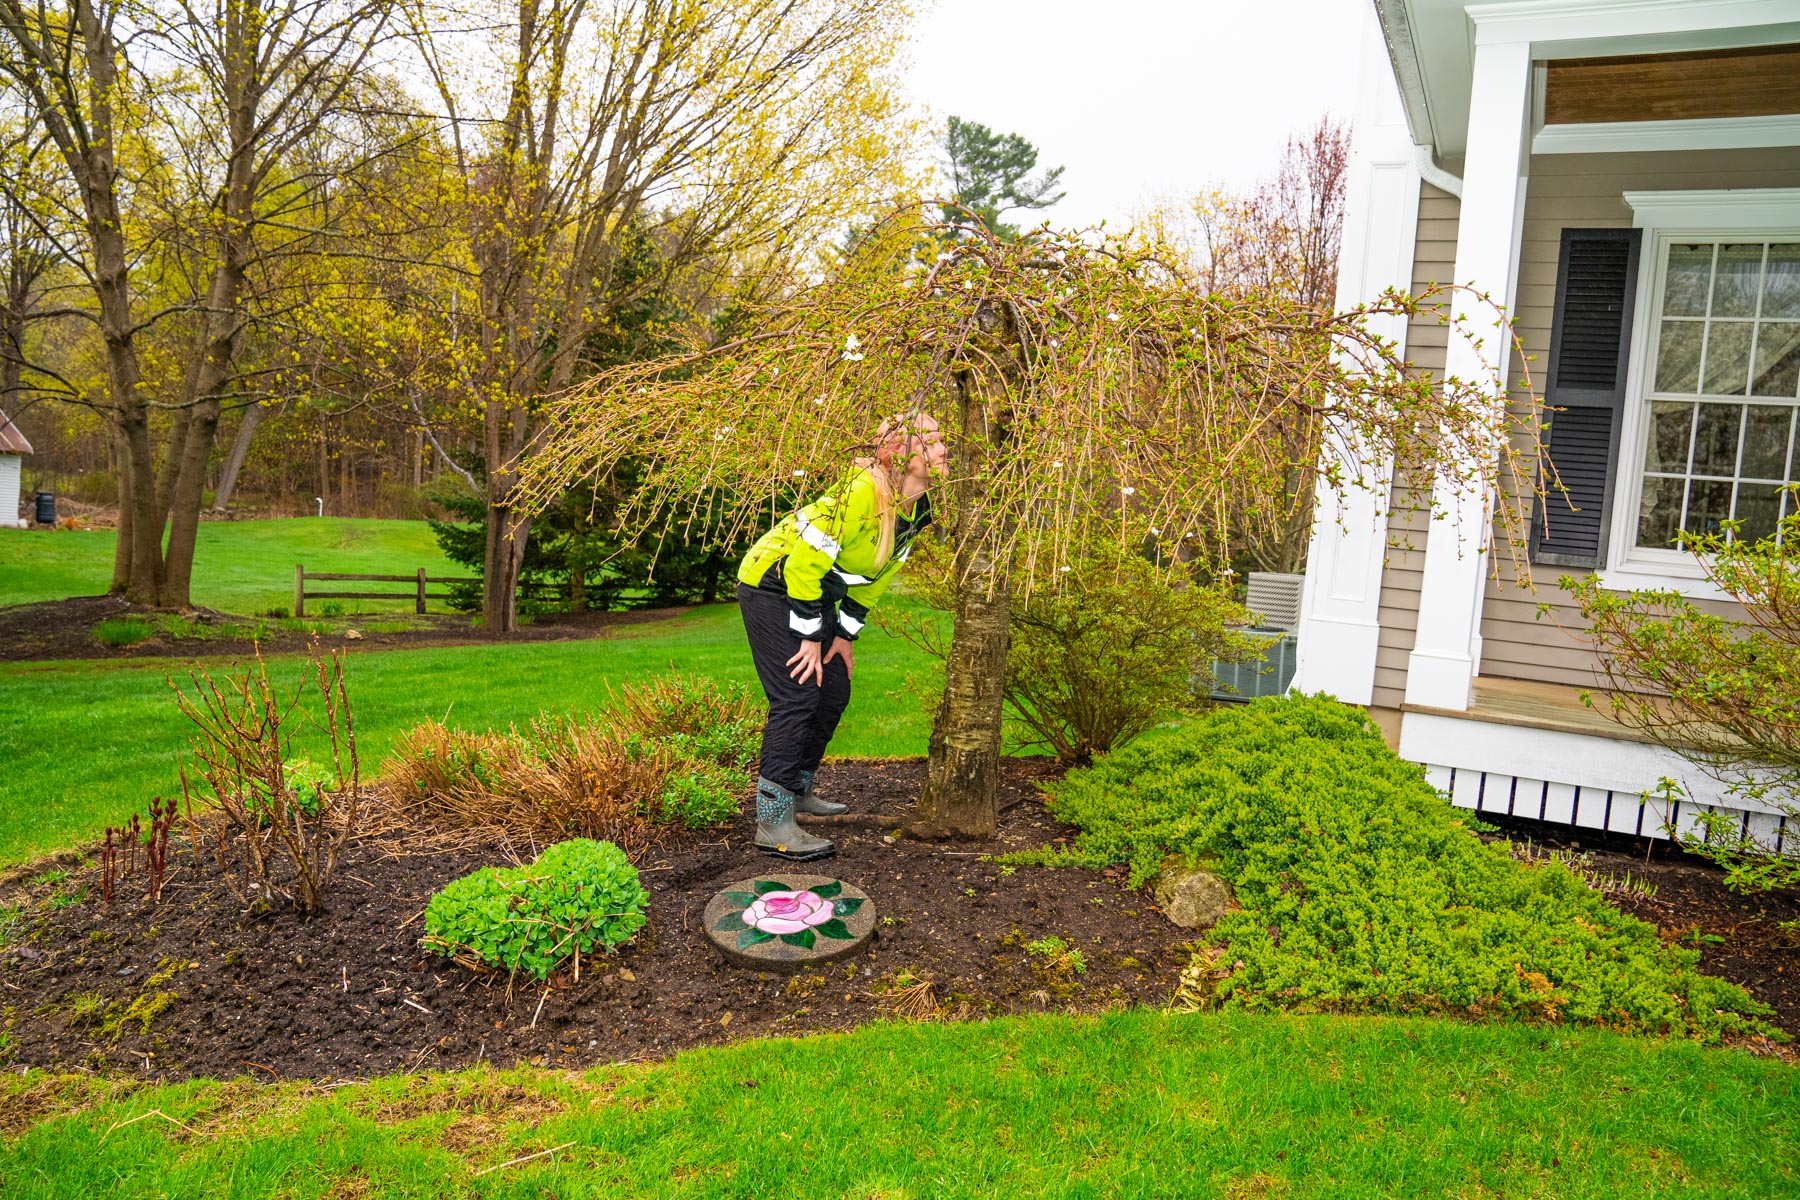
(1435, 175)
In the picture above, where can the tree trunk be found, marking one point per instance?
(962, 777)
(234, 462)
(507, 535)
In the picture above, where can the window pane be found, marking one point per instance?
(1758, 508)
(1727, 358)
(1777, 359)
(1678, 357)
(1737, 280)
(1659, 512)
(1766, 440)
(1671, 423)
(1716, 440)
(1690, 273)
(1709, 502)
(1781, 283)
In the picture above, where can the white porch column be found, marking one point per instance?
(1447, 648)
(1340, 624)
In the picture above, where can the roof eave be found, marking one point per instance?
(1403, 53)
(11, 440)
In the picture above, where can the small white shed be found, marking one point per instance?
(13, 448)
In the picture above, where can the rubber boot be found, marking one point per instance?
(776, 831)
(806, 802)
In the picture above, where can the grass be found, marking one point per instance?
(123, 631)
(1134, 1104)
(239, 566)
(85, 744)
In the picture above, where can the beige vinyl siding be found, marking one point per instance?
(1434, 261)
(1584, 191)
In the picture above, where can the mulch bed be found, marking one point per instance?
(64, 629)
(350, 995)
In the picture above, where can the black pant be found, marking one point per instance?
(802, 716)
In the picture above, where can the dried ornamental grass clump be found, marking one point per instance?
(579, 897)
(1359, 888)
(672, 754)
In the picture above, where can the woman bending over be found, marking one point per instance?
(805, 590)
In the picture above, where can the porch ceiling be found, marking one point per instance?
(1432, 46)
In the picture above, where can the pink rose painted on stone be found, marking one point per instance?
(787, 912)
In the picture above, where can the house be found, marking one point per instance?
(1626, 177)
(13, 448)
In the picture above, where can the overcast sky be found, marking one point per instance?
(1141, 99)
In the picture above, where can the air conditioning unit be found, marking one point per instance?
(1274, 603)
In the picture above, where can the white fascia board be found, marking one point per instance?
(1587, 26)
(1711, 133)
(1583, 760)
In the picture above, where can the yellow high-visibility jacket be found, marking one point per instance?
(824, 555)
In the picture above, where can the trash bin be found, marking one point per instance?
(46, 508)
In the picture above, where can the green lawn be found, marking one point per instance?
(239, 566)
(86, 743)
(1133, 1104)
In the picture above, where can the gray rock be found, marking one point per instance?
(1191, 897)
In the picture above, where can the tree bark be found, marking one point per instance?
(962, 777)
(234, 461)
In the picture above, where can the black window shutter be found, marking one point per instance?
(1590, 339)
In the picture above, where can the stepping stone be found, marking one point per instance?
(786, 922)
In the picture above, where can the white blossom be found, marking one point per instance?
(798, 472)
(1057, 463)
(1127, 491)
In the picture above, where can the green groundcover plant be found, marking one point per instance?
(579, 897)
(1359, 888)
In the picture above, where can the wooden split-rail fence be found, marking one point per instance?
(417, 593)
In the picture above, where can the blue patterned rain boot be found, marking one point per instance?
(776, 831)
(806, 802)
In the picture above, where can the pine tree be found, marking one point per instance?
(988, 176)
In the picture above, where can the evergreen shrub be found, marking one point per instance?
(1359, 887)
(579, 897)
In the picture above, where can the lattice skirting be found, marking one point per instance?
(1592, 807)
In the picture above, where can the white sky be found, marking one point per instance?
(1141, 99)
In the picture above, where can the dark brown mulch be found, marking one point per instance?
(351, 995)
(64, 629)
(1738, 936)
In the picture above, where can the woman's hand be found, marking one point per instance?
(806, 664)
(842, 646)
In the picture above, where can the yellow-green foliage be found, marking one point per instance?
(1360, 887)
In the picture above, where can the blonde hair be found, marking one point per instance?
(889, 438)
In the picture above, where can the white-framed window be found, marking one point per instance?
(1711, 412)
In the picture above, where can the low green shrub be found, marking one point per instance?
(579, 897)
(1359, 888)
(700, 794)
(696, 717)
(1099, 651)
(123, 631)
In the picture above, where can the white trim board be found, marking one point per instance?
(1715, 210)
(1559, 28)
(1571, 759)
(1711, 133)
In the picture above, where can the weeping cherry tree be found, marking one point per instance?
(1086, 385)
